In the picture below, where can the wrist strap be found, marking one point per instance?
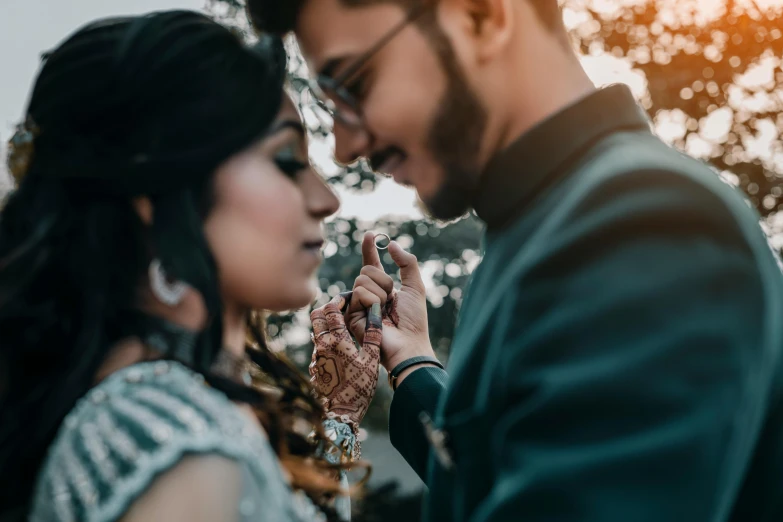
(407, 363)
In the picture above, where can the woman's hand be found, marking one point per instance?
(405, 328)
(346, 377)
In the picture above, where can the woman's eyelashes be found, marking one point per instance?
(288, 162)
(290, 166)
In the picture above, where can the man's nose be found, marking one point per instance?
(350, 143)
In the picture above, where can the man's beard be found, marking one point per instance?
(454, 141)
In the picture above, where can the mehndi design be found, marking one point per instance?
(344, 375)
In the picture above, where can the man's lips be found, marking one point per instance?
(387, 160)
(392, 167)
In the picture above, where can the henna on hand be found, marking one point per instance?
(326, 368)
(345, 376)
(390, 315)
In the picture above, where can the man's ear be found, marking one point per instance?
(478, 10)
(143, 207)
(493, 23)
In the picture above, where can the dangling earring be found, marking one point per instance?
(167, 293)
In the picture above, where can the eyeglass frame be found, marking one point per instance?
(323, 83)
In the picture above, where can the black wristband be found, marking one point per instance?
(407, 363)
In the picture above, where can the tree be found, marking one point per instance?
(715, 69)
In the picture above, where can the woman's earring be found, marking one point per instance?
(167, 293)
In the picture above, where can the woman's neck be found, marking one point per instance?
(234, 330)
(189, 315)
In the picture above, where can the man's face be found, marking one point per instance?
(422, 124)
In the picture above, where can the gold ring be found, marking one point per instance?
(375, 240)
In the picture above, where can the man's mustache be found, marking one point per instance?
(377, 159)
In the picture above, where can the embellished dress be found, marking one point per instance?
(142, 421)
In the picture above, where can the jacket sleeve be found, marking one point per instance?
(638, 392)
(418, 393)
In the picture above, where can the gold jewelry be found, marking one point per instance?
(20, 149)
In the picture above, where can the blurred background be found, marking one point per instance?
(708, 72)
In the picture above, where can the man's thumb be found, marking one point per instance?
(408, 264)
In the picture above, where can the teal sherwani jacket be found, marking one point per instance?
(618, 351)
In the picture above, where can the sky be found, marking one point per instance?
(29, 27)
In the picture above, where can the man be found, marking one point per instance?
(618, 351)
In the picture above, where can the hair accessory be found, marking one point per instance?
(20, 149)
(167, 293)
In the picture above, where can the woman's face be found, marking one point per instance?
(265, 229)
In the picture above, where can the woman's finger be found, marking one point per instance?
(334, 317)
(373, 332)
(380, 278)
(318, 322)
(364, 300)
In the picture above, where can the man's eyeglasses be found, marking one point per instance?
(332, 94)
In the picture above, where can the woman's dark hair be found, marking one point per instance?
(127, 107)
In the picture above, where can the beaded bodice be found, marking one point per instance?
(140, 422)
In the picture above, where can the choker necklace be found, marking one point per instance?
(233, 367)
(178, 343)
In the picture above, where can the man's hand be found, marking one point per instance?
(405, 329)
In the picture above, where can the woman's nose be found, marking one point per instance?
(350, 143)
(320, 199)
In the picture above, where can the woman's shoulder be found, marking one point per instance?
(136, 424)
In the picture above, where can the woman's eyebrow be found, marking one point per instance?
(280, 126)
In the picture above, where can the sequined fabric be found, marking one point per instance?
(140, 422)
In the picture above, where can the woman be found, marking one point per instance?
(164, 193)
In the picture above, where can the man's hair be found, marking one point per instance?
(279, 17)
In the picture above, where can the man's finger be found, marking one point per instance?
(364, 282)
(370, 251)
(409, 267)
(380, 277)
(365, 298)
